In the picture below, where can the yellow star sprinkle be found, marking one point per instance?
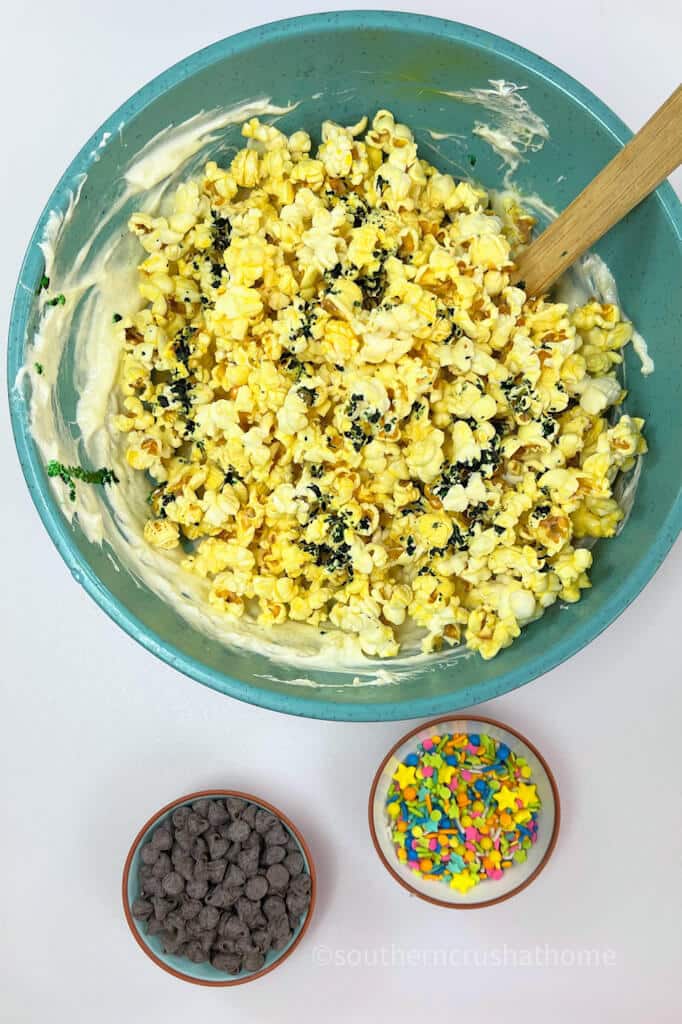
(506, 800)
(462, 882)
(527, 795)
(404, 775)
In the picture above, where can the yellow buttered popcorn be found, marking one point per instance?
(350, 417)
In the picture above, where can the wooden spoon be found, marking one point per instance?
(653, 154)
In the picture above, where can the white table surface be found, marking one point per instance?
(95, 734)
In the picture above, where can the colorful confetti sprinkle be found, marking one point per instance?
(462, 809)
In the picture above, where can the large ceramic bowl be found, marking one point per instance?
(340, 66)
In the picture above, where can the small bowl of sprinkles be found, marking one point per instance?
(464, 812)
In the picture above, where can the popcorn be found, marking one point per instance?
(346, 407)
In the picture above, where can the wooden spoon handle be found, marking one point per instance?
(649, 157)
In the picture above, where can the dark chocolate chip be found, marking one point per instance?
(294, 863)
(201, 806)
(199, 848)
(173, 883)
(162, 838)
(197, 888)
(248, 861)
(142, 909)
(217, 813)
(235, 805)
(196, 825)
(162, 866)
(264, 820)
(149, 854)
(276, 836)
(274, 907)
(273, 855)
(162, 907)
(249, 815)
(180, 816)
(228, 963)
(278, 877)
(209, 917)
(217, 845)
(190, 908)
(195, 952)
(216, 870)
(256, 888)
(253, 961)
(238, 831)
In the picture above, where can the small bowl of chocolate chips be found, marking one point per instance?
(218, 887)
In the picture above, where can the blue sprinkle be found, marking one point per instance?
(412, 855)
(451, 760)
(503, 752)
(411, 760)
(474, 739)
(404, 810)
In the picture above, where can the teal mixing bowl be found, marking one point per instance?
(341, 66)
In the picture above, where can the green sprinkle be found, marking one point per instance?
(69, 474)
(116, 318)
(38, 368)
(58, 300)
(44, 283)
(472, 159)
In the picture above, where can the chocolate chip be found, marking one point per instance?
(142, 909)
(224, 945)
(162, 838)
(274, 907)
(264, 820)
(235, 805)
(185, 839)
(149, 854)
(248, 861)
(294, 863)
(155, 927)
(217, 813)
(275, 836)
(247, 910)
(235, 876)
(216, 870)
(273, 855)
(301, 885)
(235, 928)
(228, 963)
(201, 806)
(233, 852)
(180, 816)
(161, 866)
(195, 953)
(278, 877)
(173, 883)
(253, 961)
(256, 888)
(162, 907)
(217, 845)
(199, 848)
(190, 908)
(209, 917)
(196, 825)
(249, 815)
(261, 939)
(197, 889)
(238, 831)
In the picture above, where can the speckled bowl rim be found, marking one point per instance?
(58, 528)
(218, 794)
(434, 723)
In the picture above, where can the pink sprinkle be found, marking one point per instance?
(472, 749)
(467, 776)
(427, 771)
(445, 856)
(469, 845)
(496, 844)
(414, 844)
(533, 837)
(453, 784)
(519, 803)
(471, 833)
(495, 873)
(433, 843)
(427, 744)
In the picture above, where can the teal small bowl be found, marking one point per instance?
(205, 974)
(341, 66)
